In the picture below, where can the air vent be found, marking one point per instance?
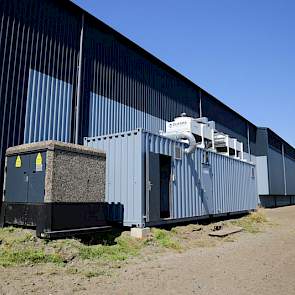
(177, 153)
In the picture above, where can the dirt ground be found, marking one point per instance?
(261, 263)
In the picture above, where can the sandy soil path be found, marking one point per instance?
(262, 263)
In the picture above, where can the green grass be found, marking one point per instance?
(13, 236)
(124, 248)
(27, 256)
(19, 246)
(253, 222)
(165, 239)
(186, 229)
(96, 273)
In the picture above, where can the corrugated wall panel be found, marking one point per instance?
(290, 175)
(35, 37)
(233, 181)
(275, 172)
(132, 90)
(124, 177)
(107, 116)
(262, 175)
(49, 109)
(234, 184)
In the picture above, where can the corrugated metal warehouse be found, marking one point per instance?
(276, 168)
(65, 75)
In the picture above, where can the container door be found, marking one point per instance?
(165, 185)
(207, 184)
(153, 203)
(36, 188)
(17, 179)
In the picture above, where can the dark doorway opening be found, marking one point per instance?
(165, 188)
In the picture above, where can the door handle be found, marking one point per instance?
(149, 185)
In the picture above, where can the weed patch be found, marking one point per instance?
(253, 222)
(96, 273)
(125, 247)
(165, 239)
(14, 257)
(186, 229)
(109, 251)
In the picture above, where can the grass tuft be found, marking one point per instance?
(253, 222)
(186, 229)
(164, 239)
(124, 248)
(96, 273)
(14, 257)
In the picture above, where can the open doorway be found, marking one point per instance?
(158, 186)
(165, 188)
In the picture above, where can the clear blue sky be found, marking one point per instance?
(241, 51)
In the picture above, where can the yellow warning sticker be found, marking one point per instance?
(18, 162)
(39, 159)
(39, 163)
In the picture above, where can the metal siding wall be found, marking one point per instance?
(133, 90)
(273, 147)
(290, 175)
(37, 36)
(262, 175)
(234, 189)
(49, 109)
(187, 184)
(107, 116)
(275, 172)
(124, 177)
(228, 121)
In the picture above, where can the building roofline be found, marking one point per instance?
(281, 139)
(148, 55)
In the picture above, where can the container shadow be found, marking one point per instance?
(106, 238)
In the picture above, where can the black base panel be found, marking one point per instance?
(74, 232)
(61, 217)
(19, 214)
(267, 201)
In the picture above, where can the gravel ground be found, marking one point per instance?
(262, 263)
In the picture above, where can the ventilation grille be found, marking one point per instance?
(177, 153)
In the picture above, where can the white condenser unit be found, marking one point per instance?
(200, 132)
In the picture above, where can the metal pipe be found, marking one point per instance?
(248, 142)
(183, 135)
(79, 83)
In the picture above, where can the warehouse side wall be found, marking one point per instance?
(276, 172)
(290, 175)
(39, 44)
(107, 116)
(262, 175)
(280, 167)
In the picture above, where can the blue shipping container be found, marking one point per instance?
(157, 183)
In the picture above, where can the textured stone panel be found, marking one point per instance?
(75, 177)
